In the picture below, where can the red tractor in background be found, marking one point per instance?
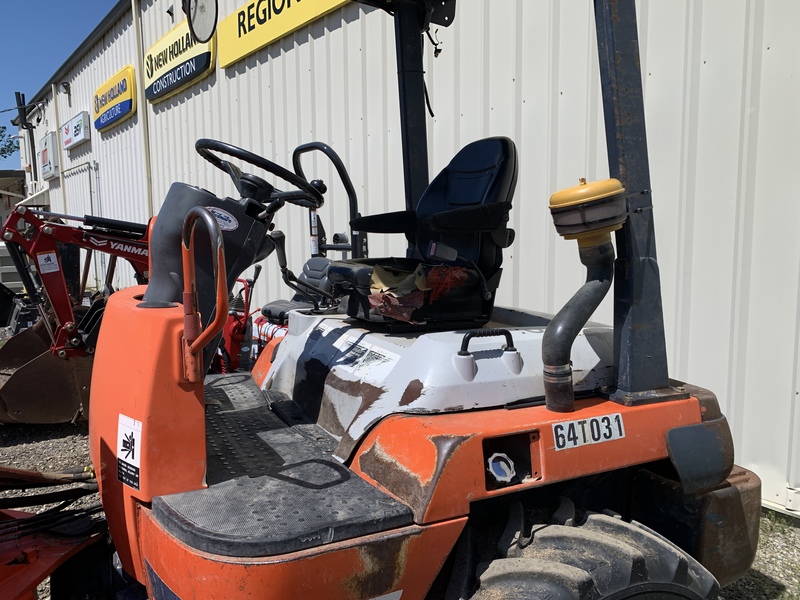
(45, 370)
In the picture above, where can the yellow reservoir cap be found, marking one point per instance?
(586, 192)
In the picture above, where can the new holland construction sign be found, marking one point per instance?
(176, 61)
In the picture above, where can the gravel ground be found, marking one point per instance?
(775, 575)
(48, 448)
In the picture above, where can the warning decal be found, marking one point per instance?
(47, 262)
(129, 448)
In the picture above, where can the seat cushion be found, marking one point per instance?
(409, 291)
(277, 311)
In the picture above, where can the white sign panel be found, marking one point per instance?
(129, 449)
(76, 130)
(48, 156)
(48, 262)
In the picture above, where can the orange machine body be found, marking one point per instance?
(405, 559)
(147, 426)
(436, 464)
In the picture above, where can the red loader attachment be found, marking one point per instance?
(45, 370)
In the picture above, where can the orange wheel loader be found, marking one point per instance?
(414, 441)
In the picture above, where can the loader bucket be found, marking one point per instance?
(37, 387)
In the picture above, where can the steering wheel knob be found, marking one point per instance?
(319, 185)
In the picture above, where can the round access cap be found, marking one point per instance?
(586, 192)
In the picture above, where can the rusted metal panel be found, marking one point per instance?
(443, 471)
(726, 547)
(27, 559)
(402, 562)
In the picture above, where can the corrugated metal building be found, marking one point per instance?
(721, 86)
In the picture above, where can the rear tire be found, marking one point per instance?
(604, 558)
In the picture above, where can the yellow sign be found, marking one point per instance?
(261, 22)
(115, 100)
(174, 62)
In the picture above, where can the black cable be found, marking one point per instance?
(47, 522)
(47, 498)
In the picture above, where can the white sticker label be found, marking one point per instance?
(594, 430)
(129, 449)
(227, 222)
(48, 262)
(364, 360)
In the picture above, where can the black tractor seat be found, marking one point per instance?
(456, 235)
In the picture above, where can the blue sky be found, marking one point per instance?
(37, 38)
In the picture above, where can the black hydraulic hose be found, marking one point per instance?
(565, 326)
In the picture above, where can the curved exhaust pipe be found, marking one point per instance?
(587, 213)
(567, 324)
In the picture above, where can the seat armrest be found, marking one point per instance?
(479, 218)
(403, 221)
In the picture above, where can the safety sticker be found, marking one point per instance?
(364, 360)
(48, 262)
(594, 430)
(129, 449)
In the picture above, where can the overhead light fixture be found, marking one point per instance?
(65, 86)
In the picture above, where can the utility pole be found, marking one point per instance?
(24, 124)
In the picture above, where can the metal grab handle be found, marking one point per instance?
(479, 333)
(195, 337)
(358, 245)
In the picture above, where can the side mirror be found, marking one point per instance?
(202, 15)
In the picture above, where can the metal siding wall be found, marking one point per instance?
(526, 70)
(770, 406)
(114, 158)
(720, 92)
(118, 151)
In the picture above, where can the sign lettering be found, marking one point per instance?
(261, 22)
(176, 61)
(115, 100)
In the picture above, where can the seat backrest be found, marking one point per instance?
(466, 206)
(315, 272)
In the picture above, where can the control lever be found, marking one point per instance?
(271, 209)
(290, 279)
(256, 272)
(280, 249)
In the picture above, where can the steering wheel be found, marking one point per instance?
(306, 195)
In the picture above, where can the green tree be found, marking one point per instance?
(8, 145)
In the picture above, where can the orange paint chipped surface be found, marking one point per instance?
(406, 559)
(447, 477)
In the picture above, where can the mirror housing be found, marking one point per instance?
(202, 16)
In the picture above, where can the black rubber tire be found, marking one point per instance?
(605, 558)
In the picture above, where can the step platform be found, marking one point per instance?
(273, 487)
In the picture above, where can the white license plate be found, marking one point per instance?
(594, 430)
